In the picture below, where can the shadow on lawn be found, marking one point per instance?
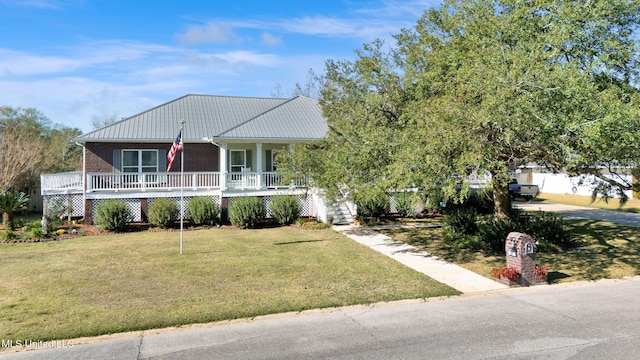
(555, 276)
(603, 250)
(431, 240)
(297, 242)
(606, 250)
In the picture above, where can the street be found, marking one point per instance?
(585, 320)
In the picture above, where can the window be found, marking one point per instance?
(238, 160)
(137, 161)
(274, 155)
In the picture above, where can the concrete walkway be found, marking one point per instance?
(459, 278)
(455, 276)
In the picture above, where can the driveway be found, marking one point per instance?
(579, 212)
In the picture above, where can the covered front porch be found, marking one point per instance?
(73, 182)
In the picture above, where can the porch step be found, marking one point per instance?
(341, 214)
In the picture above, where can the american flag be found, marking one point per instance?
(177, 145)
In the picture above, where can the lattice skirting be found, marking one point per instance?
(305, 203)
(183, 207)
(134, 206)
(58, 205)
(392, 204)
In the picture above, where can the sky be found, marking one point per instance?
(77, 61)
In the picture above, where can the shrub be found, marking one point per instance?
(202, 210)
(113, 215)
(481, 200)
(493, 231)
(435, 200)
(404, 204)
(9, 235)
(18, 222)
(53, 224)
(460, 229)
(285, 209)
(548, 229)
(36, 233)
(372, 203)
(163, 212)
(465, 228)
(10, 203)
(246, 211)
(461, 221)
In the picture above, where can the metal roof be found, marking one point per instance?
(219, 118)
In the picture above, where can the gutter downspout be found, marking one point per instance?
(222, 163)
(84, 178)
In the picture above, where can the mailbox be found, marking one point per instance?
(529, 248)
(521, 255)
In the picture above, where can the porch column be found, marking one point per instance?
(223, 166)
(259, 164)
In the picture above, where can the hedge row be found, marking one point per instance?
(245, 211)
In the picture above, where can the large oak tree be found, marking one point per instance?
(485, 86)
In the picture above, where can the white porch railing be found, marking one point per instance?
(62, 182)
(274, 180)
(243, 180)
(151, 181)
(104, 182)
(255, 180)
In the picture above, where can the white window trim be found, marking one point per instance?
(274, 154)
(244, 156)
(139, 151)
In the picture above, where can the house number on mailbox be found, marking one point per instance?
(528, 248)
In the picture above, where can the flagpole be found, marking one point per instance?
(181, 183)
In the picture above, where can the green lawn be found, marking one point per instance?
(607, 251)
(114, 283)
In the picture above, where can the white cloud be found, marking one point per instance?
(249, 58)
(362, 23)
(199, 65)
(74, 101)
(321, 25)
(125, 77)
(16, 63)
(216, 33)
(20, 63)
(399, 9)
(271, 40)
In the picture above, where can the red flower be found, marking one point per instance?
(542, 272)
(510, 273)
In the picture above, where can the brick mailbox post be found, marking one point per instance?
(521, 255)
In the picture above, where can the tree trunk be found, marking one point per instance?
(6, 219)
(501, 199)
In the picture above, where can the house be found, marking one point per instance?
(230, 144)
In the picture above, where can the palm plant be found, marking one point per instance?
(11, 202)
